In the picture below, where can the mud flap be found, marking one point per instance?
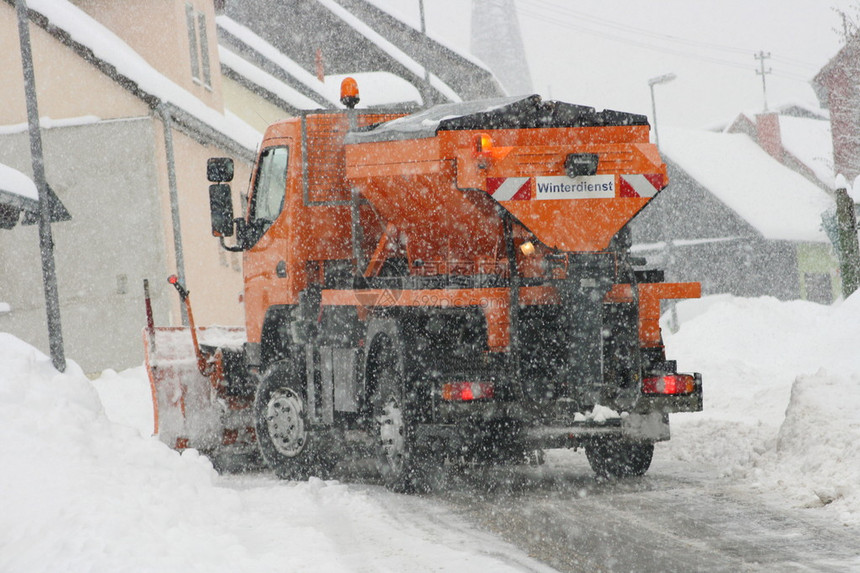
(651, 427)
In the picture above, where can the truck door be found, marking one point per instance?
(265, 263)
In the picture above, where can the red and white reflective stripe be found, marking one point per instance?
(510, 188)
(639, 185)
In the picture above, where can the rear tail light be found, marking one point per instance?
(669, 384)
(466, 391)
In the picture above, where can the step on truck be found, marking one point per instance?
(453, 286)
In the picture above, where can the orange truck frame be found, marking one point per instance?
(449, 287)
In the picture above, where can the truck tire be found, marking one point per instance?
(392, 423)
(288, 443)
(619, 458)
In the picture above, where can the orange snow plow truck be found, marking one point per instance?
(449, 287)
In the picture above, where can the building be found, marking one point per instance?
(737, 220)
(131, 108)
(797, 136)
(837, 86)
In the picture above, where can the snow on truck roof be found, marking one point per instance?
(521, 112)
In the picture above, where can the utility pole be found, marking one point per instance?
(762, 56)
(665, 78)
(424, 33)
(46, 240)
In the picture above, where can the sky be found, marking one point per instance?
(603, 52)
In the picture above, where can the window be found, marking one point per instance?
(270, 185)
(192, 41)
(198, 50)
(204, 49)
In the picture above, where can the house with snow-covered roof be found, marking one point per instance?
(796, 135)
(131, 107)
(737, 220)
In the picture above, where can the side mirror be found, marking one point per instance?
(221, 210)
(219, 169)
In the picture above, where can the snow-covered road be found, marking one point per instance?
(677, 518)
(766, 478)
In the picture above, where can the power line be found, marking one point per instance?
(550, 13)
(557, 10)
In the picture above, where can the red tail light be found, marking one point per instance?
(669, 384)
(466, 391)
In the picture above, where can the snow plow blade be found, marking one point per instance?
(209, 412)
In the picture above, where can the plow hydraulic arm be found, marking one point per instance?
(203, 365)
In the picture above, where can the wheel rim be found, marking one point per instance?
(286, 422)
(392, 436)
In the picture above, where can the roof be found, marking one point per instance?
(349, 36)
(389, 48)
(378, 89)
(16, 183)
(18, 192)
(413, 20)
(810, 141)
(248, 54)
(789, 109)
(779, 203)
(99, 45)
(264, 80)
(284, 66)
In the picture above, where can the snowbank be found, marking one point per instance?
(782, 396)
(81, 492)
(818, 446)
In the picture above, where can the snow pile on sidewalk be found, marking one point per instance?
(79, 492)
(818, 446)
(782, 396)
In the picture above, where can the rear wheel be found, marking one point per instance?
(290, 446)
(619, 458)
(395, 448)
